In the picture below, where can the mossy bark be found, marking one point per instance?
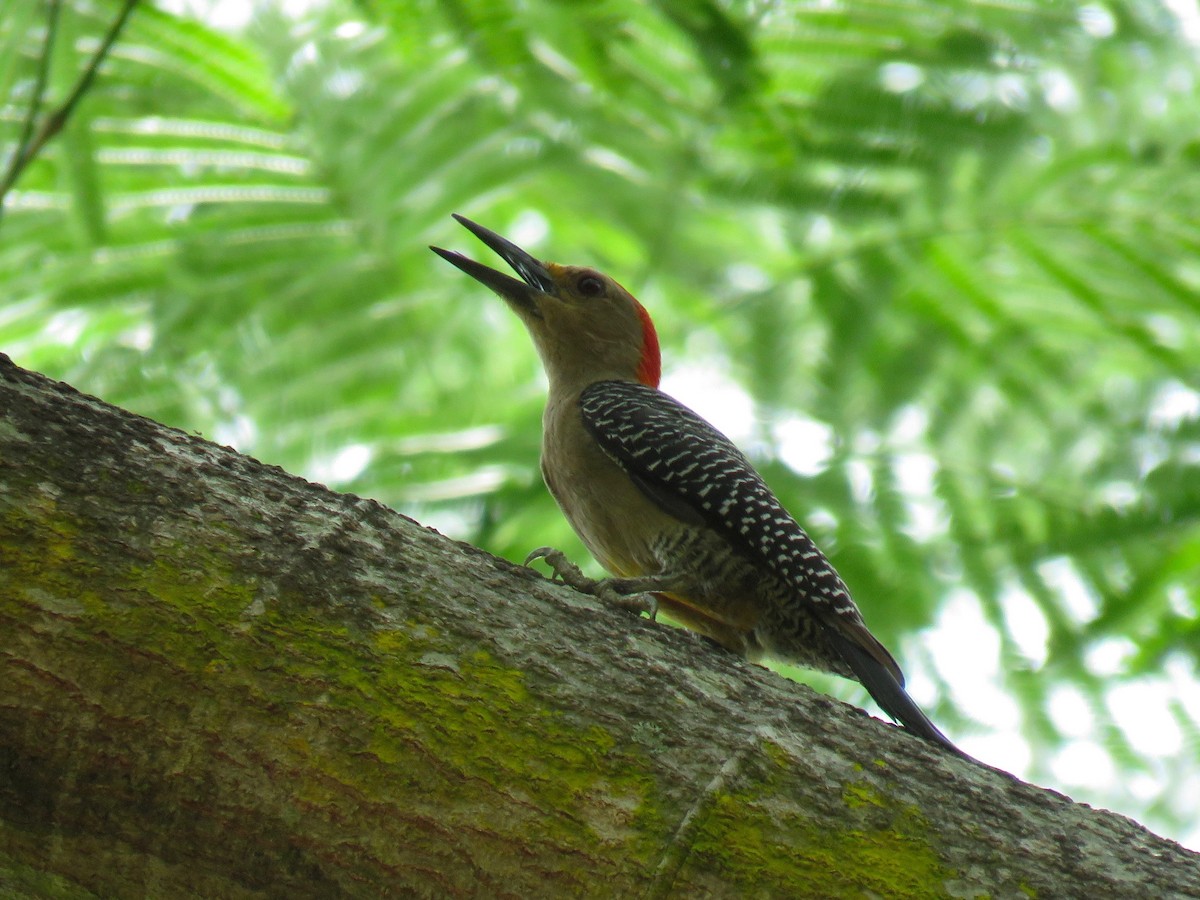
(217, 679)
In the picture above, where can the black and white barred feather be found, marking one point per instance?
(659, 440)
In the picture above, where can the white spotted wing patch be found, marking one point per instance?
(662, 442)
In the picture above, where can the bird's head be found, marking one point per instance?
(586, 327)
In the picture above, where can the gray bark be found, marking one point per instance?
(217, 679)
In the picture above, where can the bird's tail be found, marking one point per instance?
(887, 690)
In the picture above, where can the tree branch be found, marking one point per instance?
(223, 681)
(27, 150)
(35, 103)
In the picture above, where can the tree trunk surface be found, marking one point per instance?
(220, 680)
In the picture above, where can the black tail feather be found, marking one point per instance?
(888, 692)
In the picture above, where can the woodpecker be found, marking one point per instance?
(664, 501)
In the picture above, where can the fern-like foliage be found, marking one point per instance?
(959, 239)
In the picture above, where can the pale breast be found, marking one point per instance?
(615, 520)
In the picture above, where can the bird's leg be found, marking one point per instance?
(636, 594)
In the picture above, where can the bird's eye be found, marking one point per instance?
(590, 286)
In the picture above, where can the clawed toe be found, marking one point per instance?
(563, 569)
(540, 553)
(609, 590)
(642, 603)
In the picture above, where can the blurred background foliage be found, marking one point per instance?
(933, 264)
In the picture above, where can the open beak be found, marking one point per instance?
(521, 294)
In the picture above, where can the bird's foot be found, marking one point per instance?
(626, 593)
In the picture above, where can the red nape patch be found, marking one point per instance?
(649, 369)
